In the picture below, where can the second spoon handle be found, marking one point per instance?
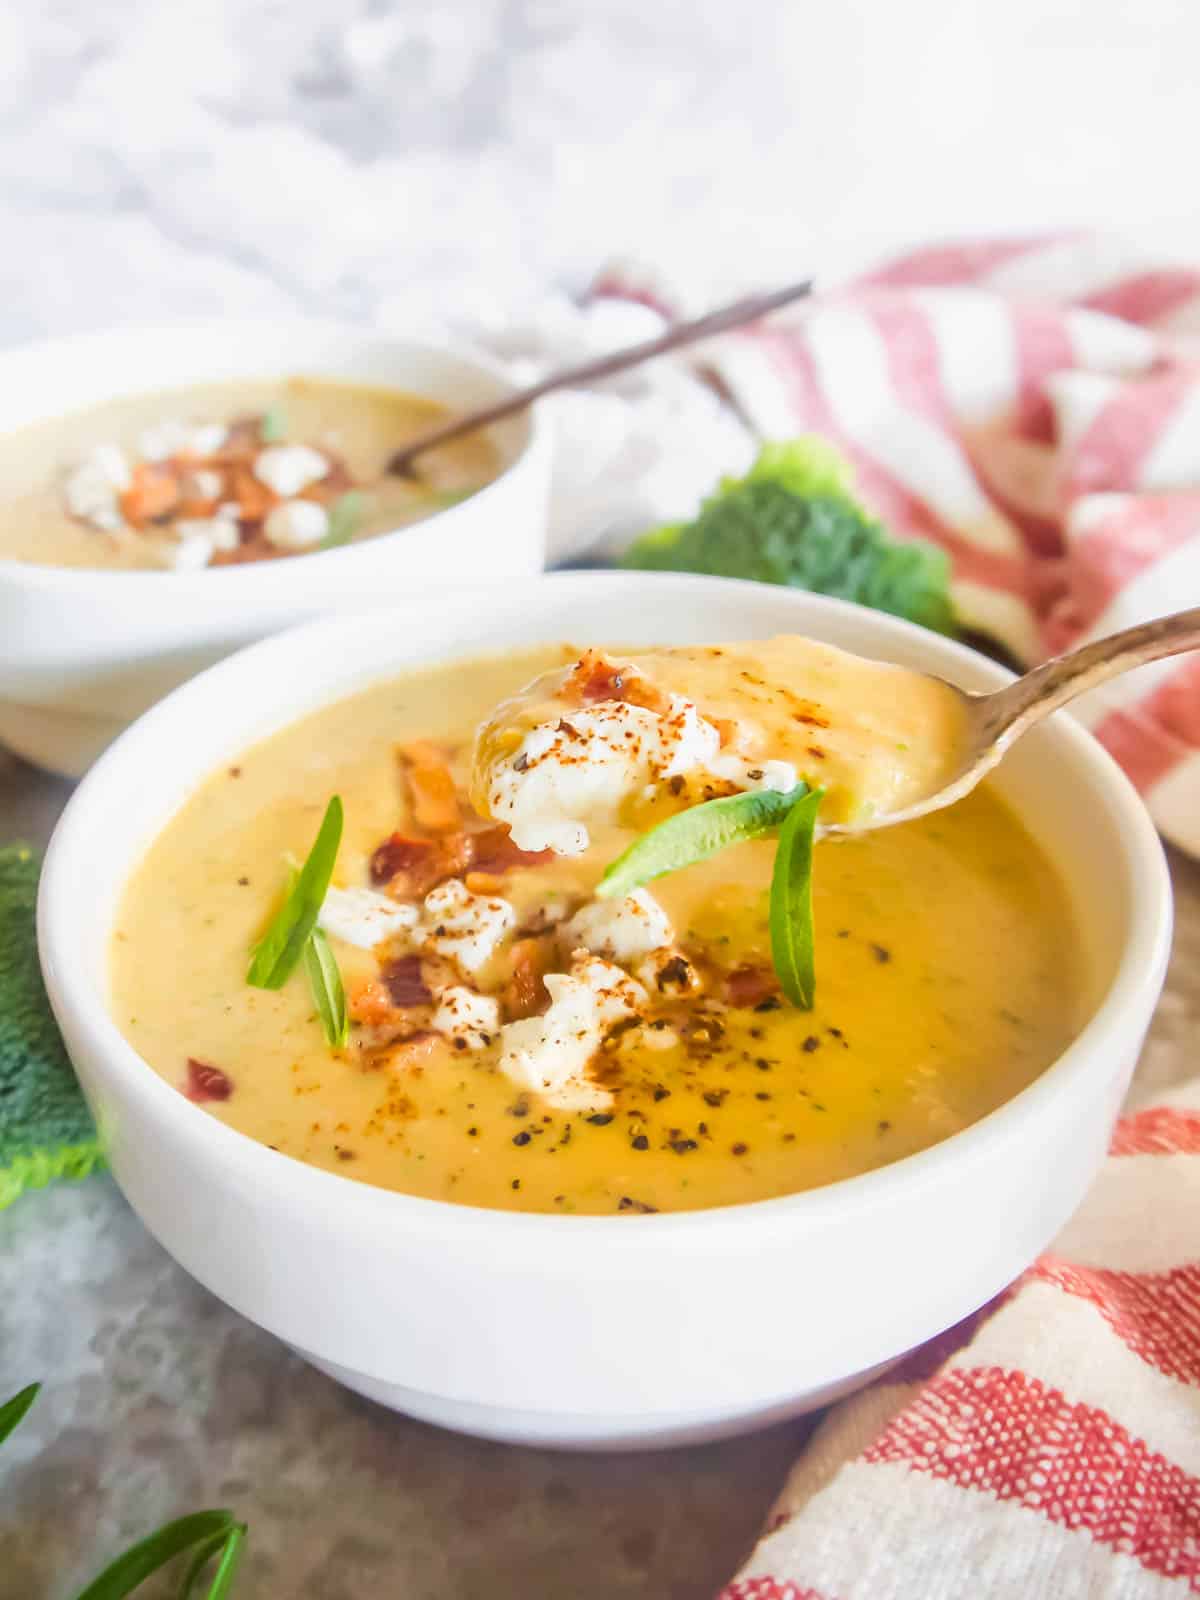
(748, 309)
(1059, 680)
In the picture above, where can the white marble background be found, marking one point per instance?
(447, 160)
(403, 158)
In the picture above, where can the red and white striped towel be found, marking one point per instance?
(1033, 407)
(1055, 1453)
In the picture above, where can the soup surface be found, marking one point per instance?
(943, 949)
(223, 473)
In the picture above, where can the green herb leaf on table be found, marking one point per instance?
(124, 1575)
(794, 519)
(272, 428)
(229, 1545)
(325, 980)
(695, 834)
(791, 915)
(345, 518)
(281, 947)
(12, 1411)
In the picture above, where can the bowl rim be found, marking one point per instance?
(1134, 986)
(258, 574)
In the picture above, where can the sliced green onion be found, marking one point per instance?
(694, 834)
(272, 429)
(124, 1575)
(13, 1410)
(281, 947)
(791, 914)
(345, 517)
(325, 979)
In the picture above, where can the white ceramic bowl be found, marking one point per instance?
(596, 1331)
(84, 652)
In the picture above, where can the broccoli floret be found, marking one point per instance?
(793, 519)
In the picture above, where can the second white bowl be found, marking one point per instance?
(84, 652)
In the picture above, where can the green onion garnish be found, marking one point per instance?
(692, 835)
(140, 1560)
(326, 982)
(791, 915)
(281, 947)
(13, 1410)
(345, 517)
(272, 428)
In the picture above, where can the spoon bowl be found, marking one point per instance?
(992, 722)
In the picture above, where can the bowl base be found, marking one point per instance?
(550, 1430)
(63, 742)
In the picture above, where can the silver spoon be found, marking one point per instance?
(994, 721)
(734, 315)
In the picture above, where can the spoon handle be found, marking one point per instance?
(1055, 682)
(748, 309)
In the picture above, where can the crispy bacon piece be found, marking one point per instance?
(746, 986)
(153, 492)
(411, 866)
(254, 498)
(492, 850)
(594, 677)
(404, 982)
(525, 993)
(206, 1082)
(431, 786)
(370, 1003)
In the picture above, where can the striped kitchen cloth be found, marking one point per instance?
(1055, 1453)
(1033, 407)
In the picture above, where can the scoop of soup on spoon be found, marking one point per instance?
(612, 736)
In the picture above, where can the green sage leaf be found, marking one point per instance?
(124, 1575)
(281, 947)
(325, 979)
(791, 915)
(695, 834)
(345, 517)
(12, 1411)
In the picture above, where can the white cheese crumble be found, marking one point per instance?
(550, 1054)
(296, 524)
(364, 917)
(92, 489)
(777, 776)
(623, 930)
(173, 438)
(463, 1014)
(189, 551)
(466, 928)
(585, 765)
(617, 995)
(286, 469)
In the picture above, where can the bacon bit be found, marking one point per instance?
(370, 1003)
(254, 498)
(153, 492)
(206, 1082)
(242, 443)
(336, 481)
(747, 986)
(492, 850)
(410, 866)
(594, 677)
(525, 993)
(431, 786)
(411, 1052)
(404, 983)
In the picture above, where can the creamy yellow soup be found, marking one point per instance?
(946, 982)
(356, 428)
